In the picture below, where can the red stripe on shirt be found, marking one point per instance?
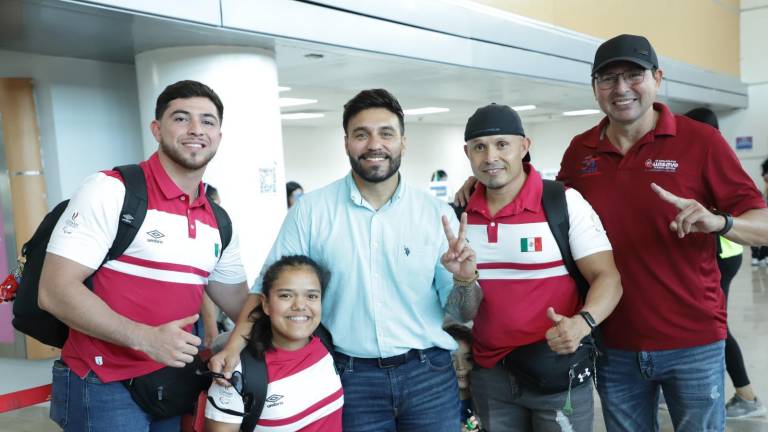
(519, 266)
(319, 404)
(163, 265)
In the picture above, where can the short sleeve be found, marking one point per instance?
(587, 235)
(88, 226)
(226, 398)
(229, 269)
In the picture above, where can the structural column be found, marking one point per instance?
(248, 169)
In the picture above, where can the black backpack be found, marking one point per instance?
(255, 379)
(28, 318)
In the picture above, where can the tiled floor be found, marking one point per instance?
(748, 318)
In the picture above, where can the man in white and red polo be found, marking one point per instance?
(137, 318)
(525, 293)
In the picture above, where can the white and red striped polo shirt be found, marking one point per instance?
(303, 393)
(161, 276)
(521, 268)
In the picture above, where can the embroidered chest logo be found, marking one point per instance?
(661, 165)
(589, 165)
(407, 250)
(530, 244)
(155, 236)
(274, 400)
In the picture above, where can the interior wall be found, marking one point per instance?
(88, 114)
(754, 65)
(710, 38)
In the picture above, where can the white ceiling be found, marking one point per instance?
(70, 30)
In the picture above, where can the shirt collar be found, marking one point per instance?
(168, 187)
(357, 197)
(665, 126)
(529, 197)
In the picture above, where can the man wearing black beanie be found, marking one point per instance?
(526, 300)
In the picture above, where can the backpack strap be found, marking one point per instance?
(326, 338)
(255, 383)
(224, 223)
(556, 209)
(134, 209)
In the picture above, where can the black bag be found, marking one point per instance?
(537, 367)
(170, 391)
(28, 318)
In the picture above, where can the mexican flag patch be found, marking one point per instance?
(530, 244)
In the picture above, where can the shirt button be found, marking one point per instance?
(192, 226)
(493, 224)
(183, 198)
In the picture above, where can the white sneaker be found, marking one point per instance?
(755, 262)
(741, 408)
(764, 262)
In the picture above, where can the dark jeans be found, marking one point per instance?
(419, 395)
(692, 380)
(88, 405)
(734, 361)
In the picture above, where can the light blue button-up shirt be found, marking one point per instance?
(387, 288)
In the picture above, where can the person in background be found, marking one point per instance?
(462, 363)
(744, 403)
(760, 253)
(293, 191)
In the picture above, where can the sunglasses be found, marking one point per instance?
(237, 383)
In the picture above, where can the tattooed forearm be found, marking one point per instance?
(464, 301)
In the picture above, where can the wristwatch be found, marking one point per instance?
(588, 318)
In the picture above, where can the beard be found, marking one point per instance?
(377, 174)
(193, 162)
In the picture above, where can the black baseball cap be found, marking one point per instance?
(631, 48)
(495, 119)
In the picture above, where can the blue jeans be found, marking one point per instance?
(420, 394)
(692, 380)
(88, 405)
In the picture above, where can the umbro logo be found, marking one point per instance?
(274, 400)
(156, 236)
(127, 218)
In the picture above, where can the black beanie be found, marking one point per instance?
(494, 119)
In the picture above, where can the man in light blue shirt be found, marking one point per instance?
(386, 251)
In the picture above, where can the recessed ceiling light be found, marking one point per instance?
(301, 116)
(289, 102)
(581, 112)
(282, 89)
(425, 110)
(524, 107)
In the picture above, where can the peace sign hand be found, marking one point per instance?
(459, 259)
(693, 217)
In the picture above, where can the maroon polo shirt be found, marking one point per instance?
(672, 297)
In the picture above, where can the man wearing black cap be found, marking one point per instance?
(525, 295)
(656, 180)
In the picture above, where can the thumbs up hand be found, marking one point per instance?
(566, 333)
(170, 344)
